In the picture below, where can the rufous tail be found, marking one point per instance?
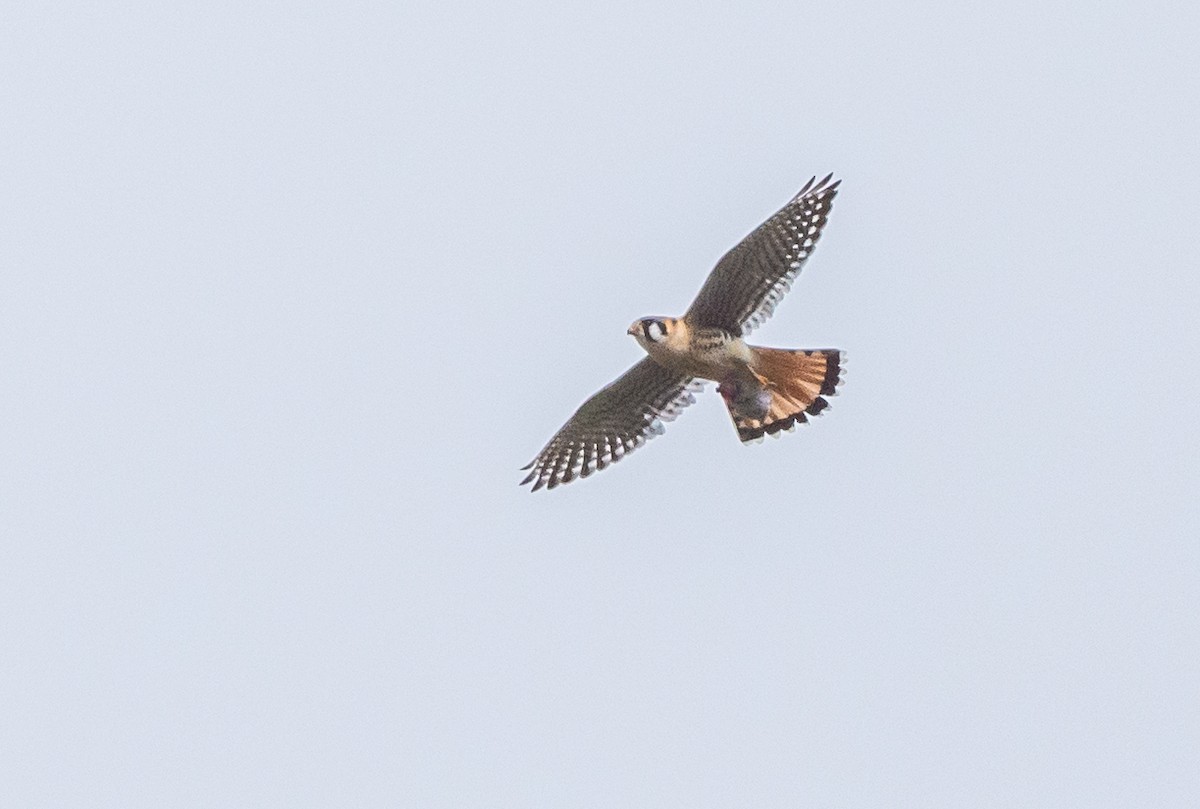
(798, 380)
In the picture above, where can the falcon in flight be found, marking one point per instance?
(767, 390)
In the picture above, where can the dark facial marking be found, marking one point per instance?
(649, 325)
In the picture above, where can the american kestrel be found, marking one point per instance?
(767, 390)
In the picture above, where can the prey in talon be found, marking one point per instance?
(766, 390)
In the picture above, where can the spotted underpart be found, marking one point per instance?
(705, 341)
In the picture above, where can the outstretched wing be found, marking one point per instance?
(613, 423)
(742, 290)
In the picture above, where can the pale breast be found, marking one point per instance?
(715, 353)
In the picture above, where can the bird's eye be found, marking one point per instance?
(654, 330)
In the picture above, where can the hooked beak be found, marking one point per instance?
(634, 329)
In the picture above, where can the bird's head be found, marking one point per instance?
(650, 330)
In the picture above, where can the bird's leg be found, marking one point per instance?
(745, 396)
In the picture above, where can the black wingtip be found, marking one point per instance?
(817, 187)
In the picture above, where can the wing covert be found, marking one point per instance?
(614, 422)
(742, 290)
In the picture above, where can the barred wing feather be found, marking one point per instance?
(743, 289)
(613, 423)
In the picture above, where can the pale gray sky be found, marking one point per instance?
(290, 291)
